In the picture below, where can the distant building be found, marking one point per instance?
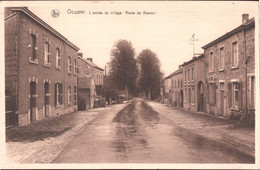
(167, 89)
(86, 84)
(86, 93)
(96, 72)
(177, 87)
(194, 84)
(40, 69)
(231, 71)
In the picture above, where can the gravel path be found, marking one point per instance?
(30, 150)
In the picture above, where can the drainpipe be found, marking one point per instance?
(246, 61)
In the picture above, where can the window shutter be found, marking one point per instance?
(240, 97)
(207, 86)
(55, 87)
(61, 96)
(214, 92)
(230, 94)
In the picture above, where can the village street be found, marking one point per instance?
(139, 134)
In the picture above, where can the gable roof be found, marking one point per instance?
(91, 63)
(175, 73)
(30, 14)
(193, 60)
(249, 24)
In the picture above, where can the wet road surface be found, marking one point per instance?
(138, 134)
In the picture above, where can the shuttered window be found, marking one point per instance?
(58, 94)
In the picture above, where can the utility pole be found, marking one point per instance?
(192, 42)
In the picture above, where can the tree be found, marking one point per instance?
(123, 68)
(150, 73)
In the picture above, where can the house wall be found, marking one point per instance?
(177, 87)
(191, 99)
(230, 74)
(37, 71)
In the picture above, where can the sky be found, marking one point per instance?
(167, 32)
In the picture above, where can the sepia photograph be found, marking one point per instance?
(120, 84)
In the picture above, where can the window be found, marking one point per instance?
(75, 95)
(234, 59)
(189, 96)
(186, 95)
(69, 64)
(252, 94)
(212, 94)
(211, 62)
(58, 59)
(75, 66)
(58, 94)
(192, 95)
(46, 54)
(192, 74)
(69, 95)
(189, 75)
(34, 48)
(221, 58)
(185, 75)
(235, 97)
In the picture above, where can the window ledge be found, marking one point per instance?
(58, 67)
(47, 65)
(221, 70)
(211, 71)
(59, 105)
(234, 109)
(234, 67)
(33, 61)
(69, 73)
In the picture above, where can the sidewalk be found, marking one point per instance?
(42, 141)
(210, 126)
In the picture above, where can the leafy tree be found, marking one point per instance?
(123, 68)
(150, 73)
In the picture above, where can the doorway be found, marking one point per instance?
(32, 101)
(46, 99)
(201, 97)
(222, 99)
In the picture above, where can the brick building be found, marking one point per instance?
(231, 71)
(194, 84)
(167, 89)
(177, 88)
(95, 71)
(40, 68)
(86, 84)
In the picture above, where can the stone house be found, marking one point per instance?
(167, 89)
(95, 71)
(194, 84)
(177, 88)
(86, 92)
(231, 71)
(40, 68)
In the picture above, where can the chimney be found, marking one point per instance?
(80, 55)
(90, 59)
(245, 18)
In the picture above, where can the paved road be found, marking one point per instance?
(138, 134)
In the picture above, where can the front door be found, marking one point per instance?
(222, 99)
(46, 99)
(201, 97)
(33, 101)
